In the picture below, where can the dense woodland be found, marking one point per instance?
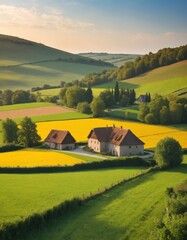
(141, 65)
(164, 110)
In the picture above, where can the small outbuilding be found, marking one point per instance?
(115, 141)
(60, 140)
(142, 98)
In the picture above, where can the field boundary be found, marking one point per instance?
(36, 221)
(128, 162)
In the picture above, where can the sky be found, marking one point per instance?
(114, 26)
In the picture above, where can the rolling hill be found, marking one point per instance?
(162, 80)
(25, 64)
(114, 58)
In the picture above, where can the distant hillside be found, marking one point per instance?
(116, 59)
(26, 64)
(163, 80)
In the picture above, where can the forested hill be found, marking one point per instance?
(141, 65)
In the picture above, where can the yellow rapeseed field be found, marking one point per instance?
(150, 134)
(34, 157)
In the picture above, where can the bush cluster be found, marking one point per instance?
(174, 222)
(10, 147)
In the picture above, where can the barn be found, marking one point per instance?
(60, 140)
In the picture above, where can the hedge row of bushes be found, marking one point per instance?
(128, 162)
(18, 229)
(10, 147)
(173, 224)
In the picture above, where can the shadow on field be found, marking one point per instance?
(88, 221)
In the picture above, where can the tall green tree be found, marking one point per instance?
(89, 95)
(97, 107)
(75, 95)
(28, 135)
(7, 96)
(107, 98)
(10, 130)
(116, 92)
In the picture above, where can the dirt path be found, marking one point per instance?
(31, 112)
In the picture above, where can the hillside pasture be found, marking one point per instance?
(128, 211)
(163, 80)
(149, 134)
(25, 194)
(37, 158)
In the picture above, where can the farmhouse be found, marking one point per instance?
(142, 98)
(58, 139)
(115, 141)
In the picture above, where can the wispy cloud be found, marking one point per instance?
(13, 16)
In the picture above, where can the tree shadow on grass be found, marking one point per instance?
(88, 221)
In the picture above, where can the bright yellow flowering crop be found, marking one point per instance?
(150, 134)
(32, 158)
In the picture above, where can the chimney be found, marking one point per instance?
(121, 127)
(114, 126)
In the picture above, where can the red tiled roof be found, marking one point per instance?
(116, 136)
(59, 136)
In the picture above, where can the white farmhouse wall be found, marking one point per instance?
(94, 144)
(60, 146)
(131, 150)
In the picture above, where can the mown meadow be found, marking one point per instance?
(128, 211)
(25, 194)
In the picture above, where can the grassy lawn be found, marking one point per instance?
(24, 106)
(149, 134)
(24, 194)
(126, 212)
(130, 113)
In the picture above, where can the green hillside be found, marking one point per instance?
(128, 211)
(114, 58)
(163, 80)
(25, 64)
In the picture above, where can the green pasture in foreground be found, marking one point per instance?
(128, 211)
(25, 105)
(22, 195)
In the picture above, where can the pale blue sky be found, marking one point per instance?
(127, 26)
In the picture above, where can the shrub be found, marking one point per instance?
(168, 153)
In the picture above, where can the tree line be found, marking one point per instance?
(83, 100)
(141, 65)
(8, 97)
(164, 110)
(26, 135)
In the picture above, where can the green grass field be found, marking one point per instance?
(25, 105)
(127, 212)
(163, 80)
(24, 194)
(130, 113)
(38, 65)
